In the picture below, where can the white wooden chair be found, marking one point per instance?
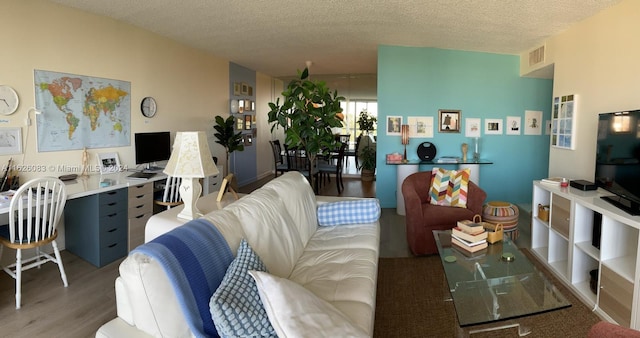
(171, 195)
(34, 213)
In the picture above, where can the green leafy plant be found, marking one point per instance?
(366, 122)
(368, 158)
(227, 137)
(308, 112)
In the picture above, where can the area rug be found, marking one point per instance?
(412, 302)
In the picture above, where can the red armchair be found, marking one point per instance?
(422, 217)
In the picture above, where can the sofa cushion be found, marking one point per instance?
(449, 187)
(346, 278)
(270, 230)
(296, 312)
(366, 210)
(296, 193)
(236, 308)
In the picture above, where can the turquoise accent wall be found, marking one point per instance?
(420, 81)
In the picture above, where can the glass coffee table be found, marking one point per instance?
(497, 283)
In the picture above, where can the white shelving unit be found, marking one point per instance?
(564, 243)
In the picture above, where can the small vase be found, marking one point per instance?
(475, 142)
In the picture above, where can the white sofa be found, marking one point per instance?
(279, 221)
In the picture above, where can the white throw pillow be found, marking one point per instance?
(296, 312)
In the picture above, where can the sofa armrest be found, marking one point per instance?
(123, 306)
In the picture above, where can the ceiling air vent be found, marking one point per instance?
(536, 56)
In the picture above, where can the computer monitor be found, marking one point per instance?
(152, 147)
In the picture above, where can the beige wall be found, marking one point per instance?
(597, 60)
(190, 86)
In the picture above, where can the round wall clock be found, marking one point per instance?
(148, 106)
(9, 100)
(426, 151)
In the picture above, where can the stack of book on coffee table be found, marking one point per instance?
(469, 236)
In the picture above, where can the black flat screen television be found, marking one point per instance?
(152, 147)
(618, 159)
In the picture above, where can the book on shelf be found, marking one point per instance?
(448, 159)
(470, 227)
(476, 237)
(552, 180)
(475, 248)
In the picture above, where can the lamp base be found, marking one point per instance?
(190, 190)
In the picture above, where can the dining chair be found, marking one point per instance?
(326, 169)
(278, 160)
(171, 194)
(354, 152)
(34, 212)
(298, 161)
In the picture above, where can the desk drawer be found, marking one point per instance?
(136, 229)
(140, 194)
(112, 252)
(112, 221)
(112, 196)
(140, 208)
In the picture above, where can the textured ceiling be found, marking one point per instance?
(277, 37)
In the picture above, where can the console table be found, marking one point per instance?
(405, 169)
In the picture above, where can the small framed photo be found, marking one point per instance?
(247, 122)
(245, 89)
(449, 121)
(239, 123)
(10, 141)
(493, 126)
(237, 88)
(108, 163)
(393, 125)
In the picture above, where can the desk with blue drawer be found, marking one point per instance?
(96, 226)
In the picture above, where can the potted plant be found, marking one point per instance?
(368, 163)
(308, 113)
(227, 137)
(366, 122)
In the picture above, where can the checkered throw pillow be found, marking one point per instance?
(236, 307)
(349, 212)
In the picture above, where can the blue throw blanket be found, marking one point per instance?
(195, 257)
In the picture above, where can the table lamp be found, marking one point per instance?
(404, 134)
(190, 159)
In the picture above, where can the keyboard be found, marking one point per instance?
(140, 174)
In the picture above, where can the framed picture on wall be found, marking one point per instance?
(245, 89)
(493, 126)
(10, 141)
(449, 121)
(237, 88)
(247, 122)
(532, 122)
(393, 125)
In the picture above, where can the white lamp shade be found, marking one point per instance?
(191, 156)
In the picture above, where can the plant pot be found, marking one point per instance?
(367, 175)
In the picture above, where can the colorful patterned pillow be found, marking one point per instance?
(236, 308)
(449, 187)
